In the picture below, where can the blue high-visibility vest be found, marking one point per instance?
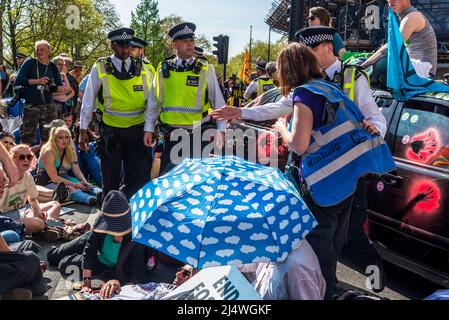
(341, 151)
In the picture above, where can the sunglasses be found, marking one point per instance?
(312, 18)
(8, 143)
(22, 157)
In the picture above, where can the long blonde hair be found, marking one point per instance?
(70, 153)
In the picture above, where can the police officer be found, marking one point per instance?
(122, 85)
(187, 89)
(138, 51)
(261, 84)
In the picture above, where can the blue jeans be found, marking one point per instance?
(90, 164)
(79, 196)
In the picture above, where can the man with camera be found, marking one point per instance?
(40, 78)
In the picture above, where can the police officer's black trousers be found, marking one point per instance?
(328, 238)
(188, 145)
(125, 146)
(359, 248)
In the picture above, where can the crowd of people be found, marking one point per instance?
(95, 139)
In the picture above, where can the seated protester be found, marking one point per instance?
(7, 139)
(297, 278)
(108, 249)
(20, 274)
(89, 162)
(59, 163)
(14, 199)
(112, 290)
(10, 229)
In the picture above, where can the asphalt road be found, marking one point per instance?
(401, 284)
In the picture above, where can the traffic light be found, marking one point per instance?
(222, 45)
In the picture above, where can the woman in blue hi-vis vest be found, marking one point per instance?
(335, 150)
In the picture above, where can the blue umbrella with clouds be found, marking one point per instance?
(221, 211)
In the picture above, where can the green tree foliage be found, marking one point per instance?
(81, 33)
(259, 51)
(146, 23)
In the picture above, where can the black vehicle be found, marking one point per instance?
(408, 210)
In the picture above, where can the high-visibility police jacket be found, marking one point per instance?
(149, 66)
(347, 77)
(264, 85)
(123, 102)
(340, 151)
(183, 95)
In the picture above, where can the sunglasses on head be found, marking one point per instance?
(29, 157)
(312, 18)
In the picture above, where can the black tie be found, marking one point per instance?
(184, 65)
(124, 68)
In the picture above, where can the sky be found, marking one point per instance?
(214, 17)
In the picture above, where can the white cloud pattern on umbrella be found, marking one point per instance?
(221, 211)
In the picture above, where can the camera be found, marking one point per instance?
(52, 87)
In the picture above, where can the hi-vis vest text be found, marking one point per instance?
(182, 96)
(263, 85)
(124, 100)
(341, 151)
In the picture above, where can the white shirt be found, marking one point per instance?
(363, 99)
(297, 278)
(214, 93)
(93, 87)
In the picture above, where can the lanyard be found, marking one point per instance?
(37, 69)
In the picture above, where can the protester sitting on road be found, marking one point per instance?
(319, 16)
(113, 290)
(9, 168)
(14, 199)
(296, 278)
(108, 249)
(89, 162)
(60, 162)
(20, 274)
(13, 232)
(7, 139)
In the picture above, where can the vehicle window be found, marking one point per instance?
(423, 134)
(384, 105)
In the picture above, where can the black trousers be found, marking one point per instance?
(186, 145)
(359, 249)
(21, 270)
(26, 245)
(328, 238)
(68, 257)
(125, 150)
